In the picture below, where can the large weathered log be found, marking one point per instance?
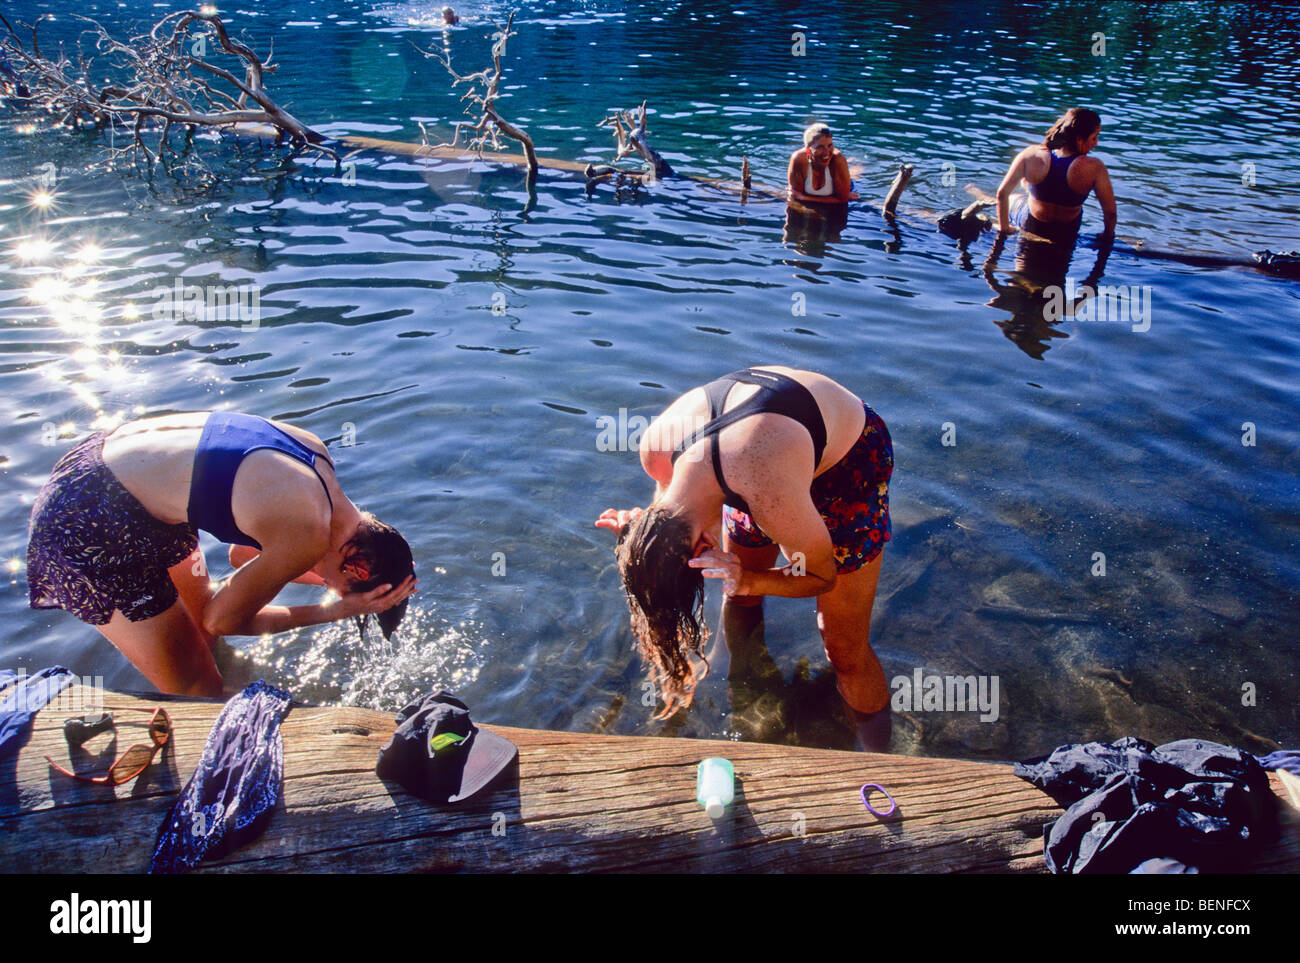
(577, 802)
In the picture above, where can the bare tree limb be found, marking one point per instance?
(163, 83)
(633, 140)
(489, 123)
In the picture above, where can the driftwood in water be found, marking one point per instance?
(896, 188)
(166, 81)
(1284, 264)
(971, 224)
(632, 139)
(489, 121)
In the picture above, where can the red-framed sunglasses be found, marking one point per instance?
(136, 759)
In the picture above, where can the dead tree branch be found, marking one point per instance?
(164, 80)
(632, 139)
(483, 93)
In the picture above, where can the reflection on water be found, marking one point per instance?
(465, 337)
(1029, 291)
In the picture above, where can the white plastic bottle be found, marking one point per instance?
(715, 785)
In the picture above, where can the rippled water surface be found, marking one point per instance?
(466, 337)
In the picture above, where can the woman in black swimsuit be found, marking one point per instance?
(796, 461)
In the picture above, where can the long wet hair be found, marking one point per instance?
(1076, 124)
(666, 599)
(387, 557)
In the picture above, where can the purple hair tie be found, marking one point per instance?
(867, 802)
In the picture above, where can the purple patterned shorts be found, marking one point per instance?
(92, 547)
(852, 497)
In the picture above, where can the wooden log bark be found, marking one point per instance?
(577, 803)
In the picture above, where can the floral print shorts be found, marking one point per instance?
(852, 497)
(93, 548)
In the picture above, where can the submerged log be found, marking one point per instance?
(575, 803)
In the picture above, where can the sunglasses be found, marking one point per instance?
(136, 759)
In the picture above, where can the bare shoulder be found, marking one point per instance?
(1035, 154)
(676, 421)
(302, 434)
(275, 496)
(1093, 165)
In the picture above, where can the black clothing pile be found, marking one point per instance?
(1196, 802)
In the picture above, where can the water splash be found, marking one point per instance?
(340, 666)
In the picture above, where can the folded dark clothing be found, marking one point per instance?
(1197, 802)
(229, 799)
(1161, 866)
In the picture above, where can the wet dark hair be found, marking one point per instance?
(666, 599)
(1076, 124)
(386, 557)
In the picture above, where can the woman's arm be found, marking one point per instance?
(1106, 197)
(656, 462)
(794, 523)
(242, 605)
(242, 554)
(794, 177)
(843, 182)
(1015, 174)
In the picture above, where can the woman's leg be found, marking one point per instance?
(195, 587)
(844, 618)
(738, 650)
(170, 650)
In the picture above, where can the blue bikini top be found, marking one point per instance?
(1055, 187)
(228, 437)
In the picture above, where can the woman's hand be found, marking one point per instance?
(615, 518)
(372, 602)
(719, 564)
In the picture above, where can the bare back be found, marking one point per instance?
(1081, 178)
(154, 460)
(756, 442)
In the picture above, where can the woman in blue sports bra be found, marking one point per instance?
(759, 461)
(113, 540)
(1059, 176)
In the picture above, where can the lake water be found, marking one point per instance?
(456, 342)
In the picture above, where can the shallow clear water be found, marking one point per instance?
(468, 339)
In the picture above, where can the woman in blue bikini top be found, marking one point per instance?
(269, 490)
(1059, 175)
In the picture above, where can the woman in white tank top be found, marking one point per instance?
(819, 172)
